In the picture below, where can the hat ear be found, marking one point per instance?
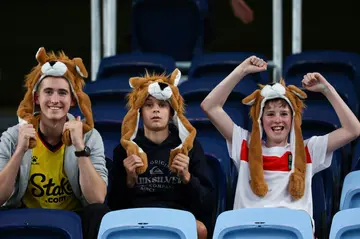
(249, 100)
(296, 91)
(175, 77)
(41, 55)
(282, 82)
(80, 67)
(136, 82)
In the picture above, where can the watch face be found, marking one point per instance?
(87, 150)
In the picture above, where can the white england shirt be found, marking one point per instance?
(276, 172)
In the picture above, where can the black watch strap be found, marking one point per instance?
(83, 153)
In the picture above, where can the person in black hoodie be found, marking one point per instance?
(188, 187)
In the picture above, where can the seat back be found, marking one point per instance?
(128, 65)
(39, 223)
(346, 224)
(110, 132)
(106, 106)
(237, 111)
(115, 71)
(350, 194)
(319, 206)
(218, 179)
(148, 223)
(339, 68)
(355, 165)
(174, 28)
(221, 64)
(263, 223)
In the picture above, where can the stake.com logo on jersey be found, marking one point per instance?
(55, 193)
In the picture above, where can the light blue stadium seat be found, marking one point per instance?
(250, 223)
(346, 224)
(39, 224)
(146, 223)
(350, 194)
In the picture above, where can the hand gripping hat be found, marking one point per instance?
(161, 87)
(49, 64)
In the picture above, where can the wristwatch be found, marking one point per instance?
(83, 153)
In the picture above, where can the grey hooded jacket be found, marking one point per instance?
(8, 145)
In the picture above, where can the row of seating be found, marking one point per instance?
(170, 224)
(206, 71)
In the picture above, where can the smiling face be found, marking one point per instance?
(276, 121)
(155, 114)
(54, 97)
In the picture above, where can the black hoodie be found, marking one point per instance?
(158, 186)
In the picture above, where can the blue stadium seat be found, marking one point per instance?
(263, 223)
(233, 180)
(110, 132)
(106, 105)
(332, 175)
(339, 68)
(346, 224)
(318, 108)
(209, 70)
(221, 64)
(218, 178)
(39, 223)
(175, 28)
(148, 223)
(205, 84)
(115, 71)
(212, 142)
(237, 111)
(319, 206)
(355, 165)
(350, 194)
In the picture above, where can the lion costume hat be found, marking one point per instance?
(297, 160)
(161, 87)
(49, 64)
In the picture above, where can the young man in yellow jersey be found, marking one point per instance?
(52, 159)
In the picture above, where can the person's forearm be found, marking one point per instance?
(347, 119)
(92, 185)
(8, 176)
(218, 96)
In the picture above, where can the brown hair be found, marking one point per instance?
(283, 103)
